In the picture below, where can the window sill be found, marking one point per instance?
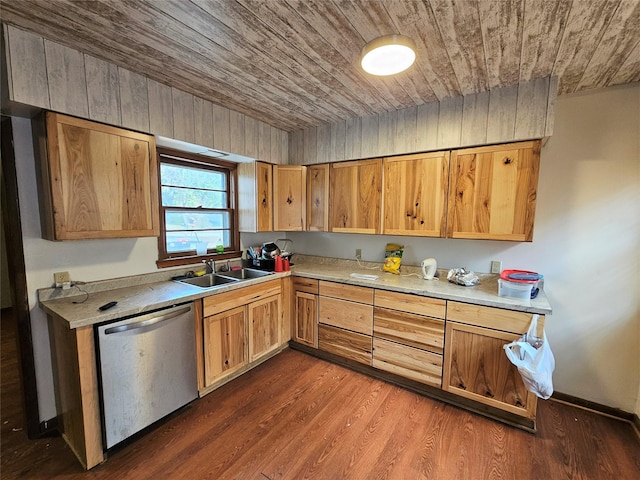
(193, 259)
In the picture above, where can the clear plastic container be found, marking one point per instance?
(518, 290)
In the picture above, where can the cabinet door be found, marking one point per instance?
(354, 196)
(289, 197)
(306, 319)
(415, 194)
(492, 192)
(98, 181)
(264, 326)
(318, 198)
(476, 367)
(264, 205)
(225, 346)
(255, 192)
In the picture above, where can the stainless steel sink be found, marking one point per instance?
(208, 281)
(244, 274)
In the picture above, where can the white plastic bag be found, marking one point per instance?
(535, 363)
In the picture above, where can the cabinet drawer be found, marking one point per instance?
(414, 330)
(346, 292)
(353, 346)
(352, 316)
(409, 362)
(224, 301)
(496, 318)
(309, 285)
(432, 307)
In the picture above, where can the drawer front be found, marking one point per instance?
(409, 362)
(414, 330)
(489, 317)
(309, 285)
(220, 302)
(349, 315)
(346, 292)
(432, 307)
(353, 346)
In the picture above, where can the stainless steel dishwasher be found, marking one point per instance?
(147, 368)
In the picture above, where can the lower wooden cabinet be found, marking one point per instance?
(406, 341)
(475, 365)
(225, 341)
(345, 317)
(305, 328)
(237, 329)
(264, 326)
(449, 345)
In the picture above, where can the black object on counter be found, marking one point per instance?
(107, 306)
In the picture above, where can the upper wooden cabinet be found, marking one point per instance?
(318, 197)
(289, 197)
(355, 196)
(492, 192)
(96, 181)
(255, 197)
(415, 194)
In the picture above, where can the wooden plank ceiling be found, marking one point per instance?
(294, 63)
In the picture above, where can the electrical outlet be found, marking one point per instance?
(60, 278)
(496, 266)
(359, 253)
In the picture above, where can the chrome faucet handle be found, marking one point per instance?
(210, 265)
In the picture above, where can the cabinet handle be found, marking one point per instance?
(289, 201)
(507, 161)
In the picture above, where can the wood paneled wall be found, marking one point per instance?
(502, 115)
(45, 74)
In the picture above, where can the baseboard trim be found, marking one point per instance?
(593, 406)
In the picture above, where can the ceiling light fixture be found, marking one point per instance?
(388, 55)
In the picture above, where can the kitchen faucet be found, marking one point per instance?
(210, 265)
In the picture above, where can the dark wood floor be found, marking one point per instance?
(298, 417)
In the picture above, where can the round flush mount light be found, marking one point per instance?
(388, 55)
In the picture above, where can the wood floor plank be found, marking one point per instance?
(299, 417)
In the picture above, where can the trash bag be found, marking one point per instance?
(534, 359)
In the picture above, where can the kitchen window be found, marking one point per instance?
(198, 218)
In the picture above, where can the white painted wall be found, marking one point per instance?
(586, 243)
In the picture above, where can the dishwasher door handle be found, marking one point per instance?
(146, 323)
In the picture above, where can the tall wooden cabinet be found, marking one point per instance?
(318, 197)
(415, 194)
(95, 181)
(354, 196)
(255, 197)
(289, 197)
(492, 192)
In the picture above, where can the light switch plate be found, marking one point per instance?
(496, 266)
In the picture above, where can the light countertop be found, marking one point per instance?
(145, 293)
